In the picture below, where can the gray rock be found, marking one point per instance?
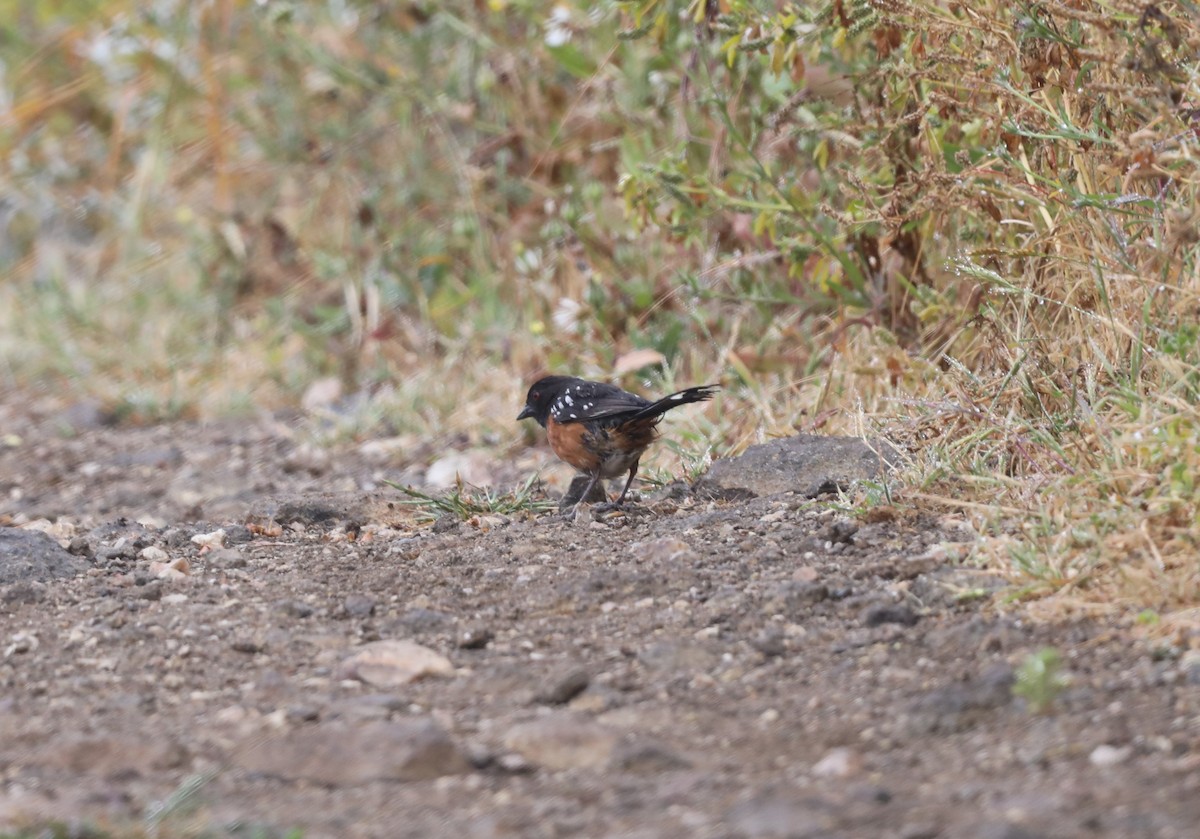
(563, 741)
(959, 707)
(806, 464)
(770, 642)
(114, 756)
(475, 637)
(391, 663)
(1189, 666)
(123, 536)
(25, 591)
(795, 598)
(842, 530)
(359, 605)
(29, 555)
(563, 686)
(1006, 830)
(890, 613)
(342, 756)
(237, 534)
(295, 608)
(447, 524)
(369, 706)
(303, 713)
(158, 457)
(419, 621)
(779, 815)
(648, 758)
(120, 551)
(250, 646)
(672, 656)
(86, 415)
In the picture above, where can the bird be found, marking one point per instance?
(598, 428)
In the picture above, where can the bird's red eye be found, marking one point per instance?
(534, 395)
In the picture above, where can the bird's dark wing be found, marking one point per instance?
(583, 401)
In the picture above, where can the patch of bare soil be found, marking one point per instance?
(763, 668)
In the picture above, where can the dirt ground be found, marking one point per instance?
(692, 668)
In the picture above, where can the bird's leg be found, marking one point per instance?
(628, 483)
(588, 491)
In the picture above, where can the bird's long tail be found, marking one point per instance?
(683, 397)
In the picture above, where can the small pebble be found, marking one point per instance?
(900, 614)
(1106, 755)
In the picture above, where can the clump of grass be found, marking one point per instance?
(998, 208)
(1040, 680)
(465, 502)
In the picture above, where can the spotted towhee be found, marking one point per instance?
(598, 428)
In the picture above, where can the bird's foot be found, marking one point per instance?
(609, 507)
(573, 497)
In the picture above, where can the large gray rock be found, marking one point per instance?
(30, 555)
(806, 464)
(563, 740)
(339, 755)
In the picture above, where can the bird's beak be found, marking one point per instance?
(526, 413)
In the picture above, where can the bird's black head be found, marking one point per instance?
(541, 396)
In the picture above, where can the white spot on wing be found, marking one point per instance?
(574, 417)
(568, 400)
(677, 396)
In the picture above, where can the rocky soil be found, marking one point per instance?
(279, 646)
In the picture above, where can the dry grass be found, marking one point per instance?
(970, 227)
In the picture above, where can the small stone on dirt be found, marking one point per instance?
(225, 558)
(349, 755)
(296, 608)
(153, 553)
(776, 814)
(842, 530)
(369, 706)
(359, 605)
(647, 758)
(1106, 755)
(420, 620)
(27, 591)
(447, 524)
(114, 756)
(563, 740)
(392, 663)
(211, 541)
(838, 763)
(793, 598)
(959, 707)
(770, 642)
(475, 638)
(562, 687)
(248, 645)
(890, 613)
(303, 713)
(665, 549)
(22, 642)
(177, 569)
